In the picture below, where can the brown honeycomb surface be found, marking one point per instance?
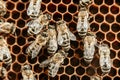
(105, 24)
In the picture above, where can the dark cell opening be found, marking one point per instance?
(20, 6)
(51, 8)
(62, 8)
(16, 49)
(110, 36)
(16, 67)
(15, 15)
(93, 9)
(104, 9)
(21, 58)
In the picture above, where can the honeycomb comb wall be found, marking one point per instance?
(106, 25)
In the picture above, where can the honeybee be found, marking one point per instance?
(85, 2)
(64, 35)
(54, 62)
(27, 73)
(3, 72)
(5, 55)
(34, 48)
(52, 42)
(2, 8)
(94, 78)
(105, 61)
(6, 27)
(35, 26)
(83, 23)
(90, 42)
(34, 8)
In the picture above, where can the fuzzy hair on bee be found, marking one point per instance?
(35, 26)
(64, 35)
(54, 62)
(34, 48)
(52, 45)
(90, 42)
(7, 28)
(105, 61)
(95, 78)
(5, 55)
(27, 73)
(3, 9)
(3, 72)
(34, 8)
(83, 22)
(85, 3)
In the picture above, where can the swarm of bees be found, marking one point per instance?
(53, 36)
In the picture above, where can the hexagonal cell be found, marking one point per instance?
(113, 54)
(32, 61)
(99, 18)
(46, 1)
(74, 77)
(108, 2)
(10, 5)
(80, 70)
(90, 71)
(94, 26)
(116, 63)
(16, 67)
(74, 61)
(43, 7)
(66, 1)
(110, 36)
(21, 40)
(71, 53)
(20, 6)
(109, 18)
(21, 23)
(72, 26)
(62, 8)
(98, 2)
(18, 32)
(21, 58)
(15, 14)
(85, 77)
(57, 16)
(100, 36)
(56, 1)
(24, 15)
(115, 27)
(67, 17)
(51, 7)
(116, 78)
(66, 61)
(84, 63)
(37, 69)
(11, 75)
(93, 9)
(117, 2)
(116, 45)
(24, 32)
(105, 27)
(69, 70)
(64, 77)
(104, 9)
(43, 76)
(72, 8)
(10, 40)
(16, 49)
(107, 78)
(114, 9)
(112, 72)
(118, 18)
(61, 70)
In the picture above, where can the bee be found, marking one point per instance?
(5, 55)
(94, 78)
(105, 61)
(34, 48)
(6, 27)
(3, 72)
(35, 26)
(85, 2)
(54, 62)
(34, 8)
(27, 73)
(52, 42)
(3, 9)
(83, 23)
(90, 42)
(64, 35)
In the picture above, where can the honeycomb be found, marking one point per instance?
(105, 24)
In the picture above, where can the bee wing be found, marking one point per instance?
(45, 63)
(60, 39)
(79, 24)
(29, 10)
(71, 36)
(53, 69)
